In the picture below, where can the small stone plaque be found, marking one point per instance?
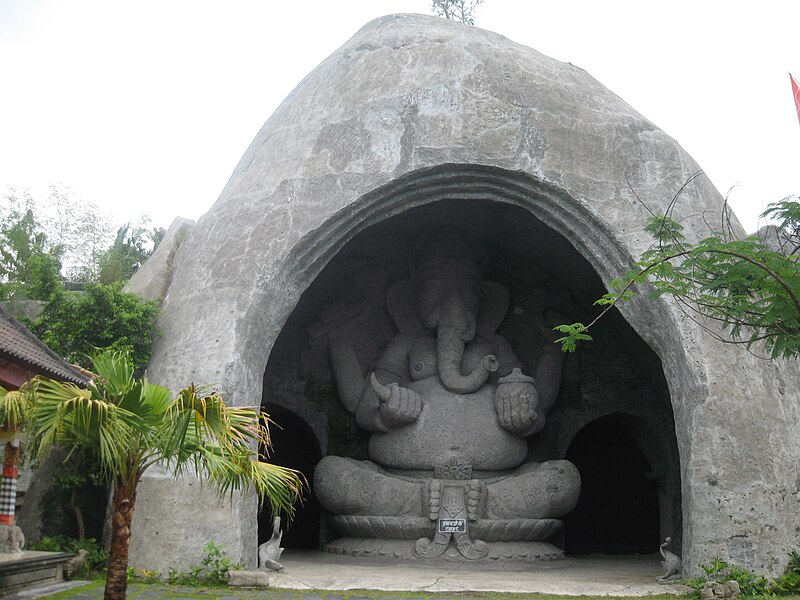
(452, 525)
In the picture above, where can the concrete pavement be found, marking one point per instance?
(632, 575)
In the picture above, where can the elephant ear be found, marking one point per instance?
(494, 306)
(400, 303)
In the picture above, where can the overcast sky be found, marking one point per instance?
(147, 106)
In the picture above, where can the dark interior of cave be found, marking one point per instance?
(295, 446)
(617, 512)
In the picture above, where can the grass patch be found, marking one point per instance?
(94, 591)
(94, 587)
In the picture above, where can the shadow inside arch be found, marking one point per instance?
(295, 446)
(618, 509)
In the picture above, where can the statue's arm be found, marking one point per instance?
(548, 376)
(507, 359)
(341, 325)
(517, 407)
(347, 374)
(372, 413)
(368, 414)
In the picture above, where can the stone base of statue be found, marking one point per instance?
(452, 551)
(451, 532)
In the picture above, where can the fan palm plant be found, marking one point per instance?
(132, 425)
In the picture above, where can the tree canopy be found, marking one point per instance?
(74, 325)
(456, 10)
(77, 237)
(63, 245)
(29, 263)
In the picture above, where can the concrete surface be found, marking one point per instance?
(592, 575)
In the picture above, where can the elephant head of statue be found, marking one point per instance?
(447, 296)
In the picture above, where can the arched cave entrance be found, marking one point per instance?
(294, 445)
(618, 509)
(617, 372)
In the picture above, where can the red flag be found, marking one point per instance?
(796, 93)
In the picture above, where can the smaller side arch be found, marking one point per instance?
(625, 505)
(294, 445)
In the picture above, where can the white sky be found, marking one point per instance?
(147, 106)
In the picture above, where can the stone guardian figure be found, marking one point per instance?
(269, 553)
(671, 563)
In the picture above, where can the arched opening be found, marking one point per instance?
(618, 509)
(294, 445)
(542, 270)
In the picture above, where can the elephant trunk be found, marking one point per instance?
(455, 326)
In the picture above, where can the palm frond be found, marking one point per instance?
(157, 397)
(196, 416)
(236, 469)
(221, 441)
(14, 408)
(114, 371)
(71, 416)
(283, 487)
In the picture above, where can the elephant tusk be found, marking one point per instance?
(489, 362)
(383, 392)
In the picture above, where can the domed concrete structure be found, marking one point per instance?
(417, 124)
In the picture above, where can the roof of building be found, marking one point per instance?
(20, 346)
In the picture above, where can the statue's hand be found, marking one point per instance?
(398, 405)
(515, 404)
(342, 323)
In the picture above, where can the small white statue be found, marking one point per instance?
(270, 551)
(671, 562)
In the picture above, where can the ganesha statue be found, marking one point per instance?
(449, 409)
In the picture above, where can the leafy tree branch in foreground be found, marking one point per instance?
(750, 287)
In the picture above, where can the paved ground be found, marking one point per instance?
(597, 575)
(594, 575)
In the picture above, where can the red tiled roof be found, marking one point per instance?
(20, 346)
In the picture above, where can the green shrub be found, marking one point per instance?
(143, 576)
(213, 570)
(793, 567)
(96, 560)
(788, 584)
(751, 585)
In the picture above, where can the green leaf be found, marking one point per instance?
(575, 332)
